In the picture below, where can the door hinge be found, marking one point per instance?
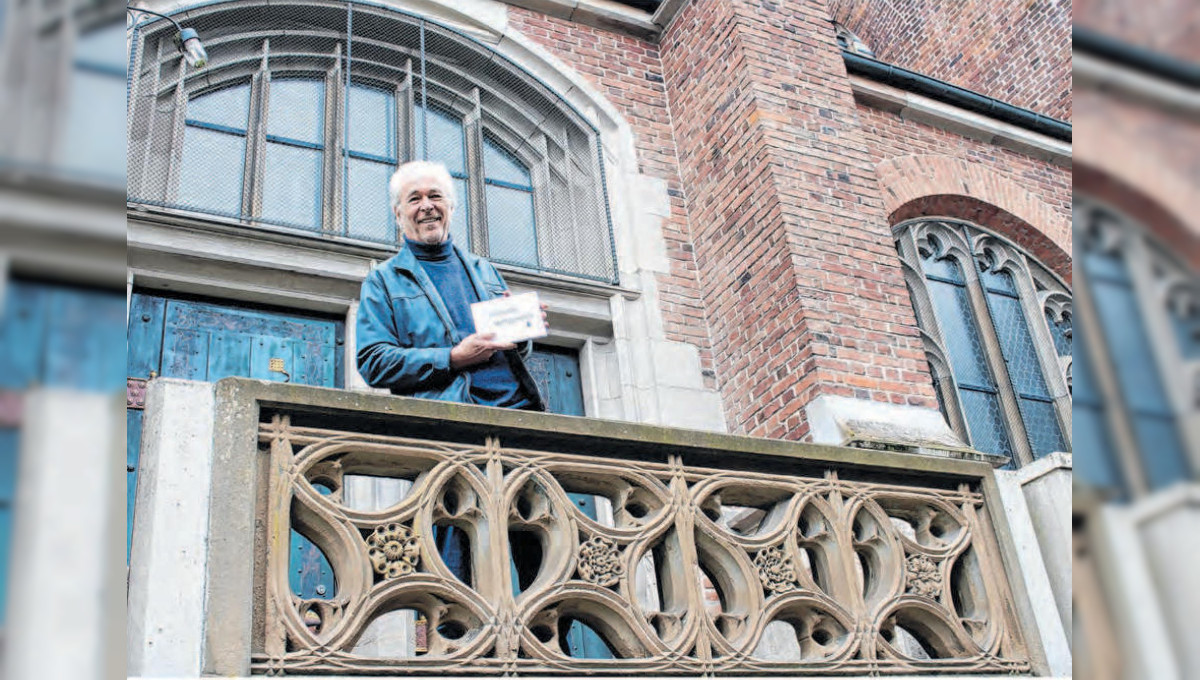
(135, 391)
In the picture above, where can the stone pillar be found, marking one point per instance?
(1147, 553)
(1037, 502)
(65, 583)
(805, 297)
(165, 626)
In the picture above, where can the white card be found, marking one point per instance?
(513, 319)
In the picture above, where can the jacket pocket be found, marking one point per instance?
(417, 322)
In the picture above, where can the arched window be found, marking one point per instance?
(304, 111)
(95, 101)
(1129, 395)
(985, 309)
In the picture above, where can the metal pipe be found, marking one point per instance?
(954, 95)
(1141, 59)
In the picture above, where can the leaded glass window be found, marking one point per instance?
(1143, 303)
(981, 303)
(968, 359)
(1094, 451)
(1020, 357)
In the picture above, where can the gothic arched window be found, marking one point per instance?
(996, 326)
(304, 111)
(1131, 395)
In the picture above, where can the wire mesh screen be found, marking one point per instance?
(305, 110)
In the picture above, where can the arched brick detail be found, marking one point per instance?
(932, 185)
(1109, 166)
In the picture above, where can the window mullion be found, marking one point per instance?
(405, 131)
(573, 221)
(1116, 410)
(477, 226)
(143, 111)
(910, 257)
(256, 137)
(994, 355)
(1043, 346)
(178, 125)
(540, 177)
(333, 179)
(60, 36)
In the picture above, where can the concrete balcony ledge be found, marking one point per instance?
(591, 435)
(773, 557)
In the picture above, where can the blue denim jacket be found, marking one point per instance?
(404, 332)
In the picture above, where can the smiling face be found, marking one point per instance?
(424, 209)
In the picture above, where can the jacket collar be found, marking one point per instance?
(405, 262)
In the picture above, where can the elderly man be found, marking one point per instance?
(415, 333)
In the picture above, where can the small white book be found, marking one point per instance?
(513, 319)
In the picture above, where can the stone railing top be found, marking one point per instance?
(585, 435)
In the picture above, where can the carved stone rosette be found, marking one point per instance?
(689, 570)
(394, 550)
(923, 576)
(776, 571)
(599, 562)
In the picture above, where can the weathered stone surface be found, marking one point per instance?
(779, 546)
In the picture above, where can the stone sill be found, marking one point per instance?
(585, 435)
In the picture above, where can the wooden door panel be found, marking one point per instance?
(228, 356)
(208, 341)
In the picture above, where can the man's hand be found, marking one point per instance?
(476, 348)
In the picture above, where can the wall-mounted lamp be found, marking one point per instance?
(186, 39)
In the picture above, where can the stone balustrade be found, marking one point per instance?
(696, 553)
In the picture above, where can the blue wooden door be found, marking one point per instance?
(201, 340)
(556, 372)
(57, 336)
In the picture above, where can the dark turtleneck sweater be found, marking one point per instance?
(492, 382)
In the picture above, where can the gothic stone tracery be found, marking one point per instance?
(861, 578)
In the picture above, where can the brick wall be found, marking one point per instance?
(1168, 26)
(1018, 51)
(800, 278)
(629, 73)
(783, 191)
(1143, 162)
(1022, 198)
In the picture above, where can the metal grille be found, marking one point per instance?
(1020, 357)
(305, 110)
(1061, 333)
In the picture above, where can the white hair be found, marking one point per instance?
(414, 169)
